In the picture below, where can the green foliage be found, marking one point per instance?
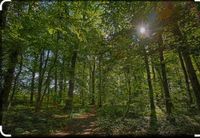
(109, 66)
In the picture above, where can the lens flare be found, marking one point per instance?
(142, 30)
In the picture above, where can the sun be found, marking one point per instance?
(142, 30)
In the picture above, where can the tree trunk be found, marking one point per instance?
(153, 71)
(168, 102)
(192, 76)
(47, 82)
(9, 75)
(33, 82)
(128, 81)
(15, 82)
(188, 63)
(151, 97)
(93, 82)
(41, 76)
(61, 82)
(82, 90)
(190, 100)
(100, 82)
(40, 81)
(3, 24)
(56, 84)
(69, 101)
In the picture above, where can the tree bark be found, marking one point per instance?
(151, 97)
(33, 80)
(93, 82)
(188, 63)
(100, 82)
(15, 82)
(82, 90)
(9, 75)
(190, 100)
(3, 24)
(165, 84)
(61, 82)
(41, 77)
(47, 82)
(69, 101)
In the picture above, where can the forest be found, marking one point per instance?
(105, 68)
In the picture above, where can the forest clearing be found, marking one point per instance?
(100, 68)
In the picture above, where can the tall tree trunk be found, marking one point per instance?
(190, 100)
(32, 86)
(15, 82)
(61, 82)
(192, 76)
(168, 101)
(151, 97)
(128, 80)
(69, 101)
(3, 24)
(9, 75)
(93, 82)
(82, 89)
(100, 82)
(41, 76)
(48, 79)
(56, 83)
(153, 71)
(188, 63)
(40, 81)
(56, 70)
(33, 80)
(90, 83)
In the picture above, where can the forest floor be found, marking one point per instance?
(84, 124)
(21, 120)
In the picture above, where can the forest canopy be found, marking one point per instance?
(100, 68)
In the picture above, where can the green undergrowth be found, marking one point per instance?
(110, 122)
(23, 120)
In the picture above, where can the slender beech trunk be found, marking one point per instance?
(188, 63)
(45, 90)
(48, 79)
(9, 75)
(41, 77)
(82, 90)
(190, 100)
(15, 82)
(33, 80)
(153, 71)
(56, 83)
(1, 54)
(90, 83)
(168, 102)
(56, 70)
(61, 82)
(3, 24)
(100, 82)
(69, 101)
(32, 87)
(193, 77)
(40, 81)
(128, 80)
(151, 97)
(93, 82)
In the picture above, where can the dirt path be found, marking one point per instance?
(84, 124)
